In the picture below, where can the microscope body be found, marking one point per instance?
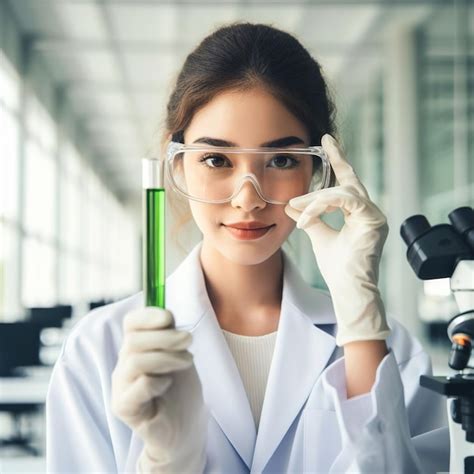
(462, 286)
(442, 251)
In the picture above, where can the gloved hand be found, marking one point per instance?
(156, 391)
(348, 259)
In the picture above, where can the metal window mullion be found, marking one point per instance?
(25, 91)
(59, 109)
(460, 102)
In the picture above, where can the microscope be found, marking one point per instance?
(442, 251)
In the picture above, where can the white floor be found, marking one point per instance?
(15, 460)
(23, 465)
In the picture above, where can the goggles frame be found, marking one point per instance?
(174, 148)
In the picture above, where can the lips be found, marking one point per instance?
(249, 225)
(253, 231)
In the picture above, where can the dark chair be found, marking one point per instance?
(19, 346)
(49, 317)
(96, 304)
(66, 310)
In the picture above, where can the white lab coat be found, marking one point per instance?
(307, 424)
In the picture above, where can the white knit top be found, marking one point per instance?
(253, 356)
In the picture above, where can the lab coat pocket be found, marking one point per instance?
(322, 440)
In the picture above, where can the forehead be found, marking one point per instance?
(246, 118)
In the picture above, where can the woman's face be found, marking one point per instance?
(247, 119)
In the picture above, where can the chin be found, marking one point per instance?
(248, 252)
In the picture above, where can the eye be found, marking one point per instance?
(213, 160)
(285, 162)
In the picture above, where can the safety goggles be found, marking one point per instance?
(216, 174)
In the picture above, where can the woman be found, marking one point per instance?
(249, 369)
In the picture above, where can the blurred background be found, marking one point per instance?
(83, 91)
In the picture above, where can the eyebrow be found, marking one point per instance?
(279, 142)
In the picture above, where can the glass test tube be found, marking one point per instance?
(154, 270)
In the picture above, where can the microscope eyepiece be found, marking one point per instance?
(413, 227)
(462, 220)
(434, 251)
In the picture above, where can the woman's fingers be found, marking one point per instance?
(351, 196)
(156, 362)
(344, 198)
(324, 229)
(344, 172)
(337, 198)
(148, 317)
(302, 203)
(161, 339)
(292, 212)
(141, 391)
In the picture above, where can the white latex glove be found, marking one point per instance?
(156, 391)
(348, 259)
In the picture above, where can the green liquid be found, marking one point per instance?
(154, 272)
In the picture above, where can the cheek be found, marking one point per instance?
(205, 216)
(285, 223)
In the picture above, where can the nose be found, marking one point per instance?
(247, 198)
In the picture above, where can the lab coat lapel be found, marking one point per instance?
(223, 390)
(302, 351)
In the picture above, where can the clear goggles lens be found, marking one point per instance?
(216, 174)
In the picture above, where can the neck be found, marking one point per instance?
(245, 298)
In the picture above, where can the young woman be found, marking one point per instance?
(250, 369)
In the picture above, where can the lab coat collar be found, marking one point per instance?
(302, 350)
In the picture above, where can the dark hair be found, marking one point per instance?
(240, 56)
(243, 55)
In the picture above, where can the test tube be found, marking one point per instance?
(154, 270)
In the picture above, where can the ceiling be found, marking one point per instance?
(116, 59)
